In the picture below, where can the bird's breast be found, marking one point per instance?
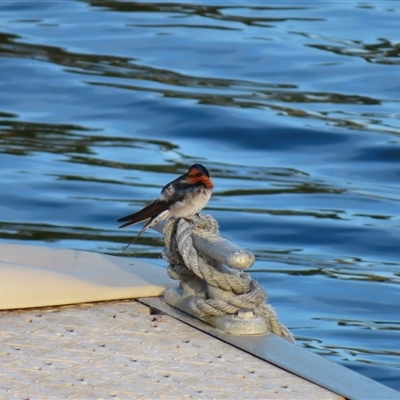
(191, 204)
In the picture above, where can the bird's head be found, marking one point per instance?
(197, 173)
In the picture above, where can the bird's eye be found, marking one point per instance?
(199, 174)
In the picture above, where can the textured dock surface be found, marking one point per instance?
(119, 349)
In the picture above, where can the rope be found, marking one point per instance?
(238, 290)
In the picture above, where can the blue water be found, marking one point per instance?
(294, 109)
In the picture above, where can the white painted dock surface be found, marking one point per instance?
(66, 331)
(118, 349)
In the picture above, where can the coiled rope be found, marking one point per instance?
(239, 291)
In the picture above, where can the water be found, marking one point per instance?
(294, 109)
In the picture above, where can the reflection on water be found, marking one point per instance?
(294, 111)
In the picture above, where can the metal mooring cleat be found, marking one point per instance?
(223, 297)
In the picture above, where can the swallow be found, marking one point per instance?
(183, 197)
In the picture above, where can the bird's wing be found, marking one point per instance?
(150, 211)
(170, 194)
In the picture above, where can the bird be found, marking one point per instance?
(184, 197)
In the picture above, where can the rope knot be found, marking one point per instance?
(228, 291)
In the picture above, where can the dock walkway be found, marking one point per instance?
(125, 350)
(67, 330)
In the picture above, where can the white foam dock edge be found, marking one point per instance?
(36, 276)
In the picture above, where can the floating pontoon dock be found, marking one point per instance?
(67, 331)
